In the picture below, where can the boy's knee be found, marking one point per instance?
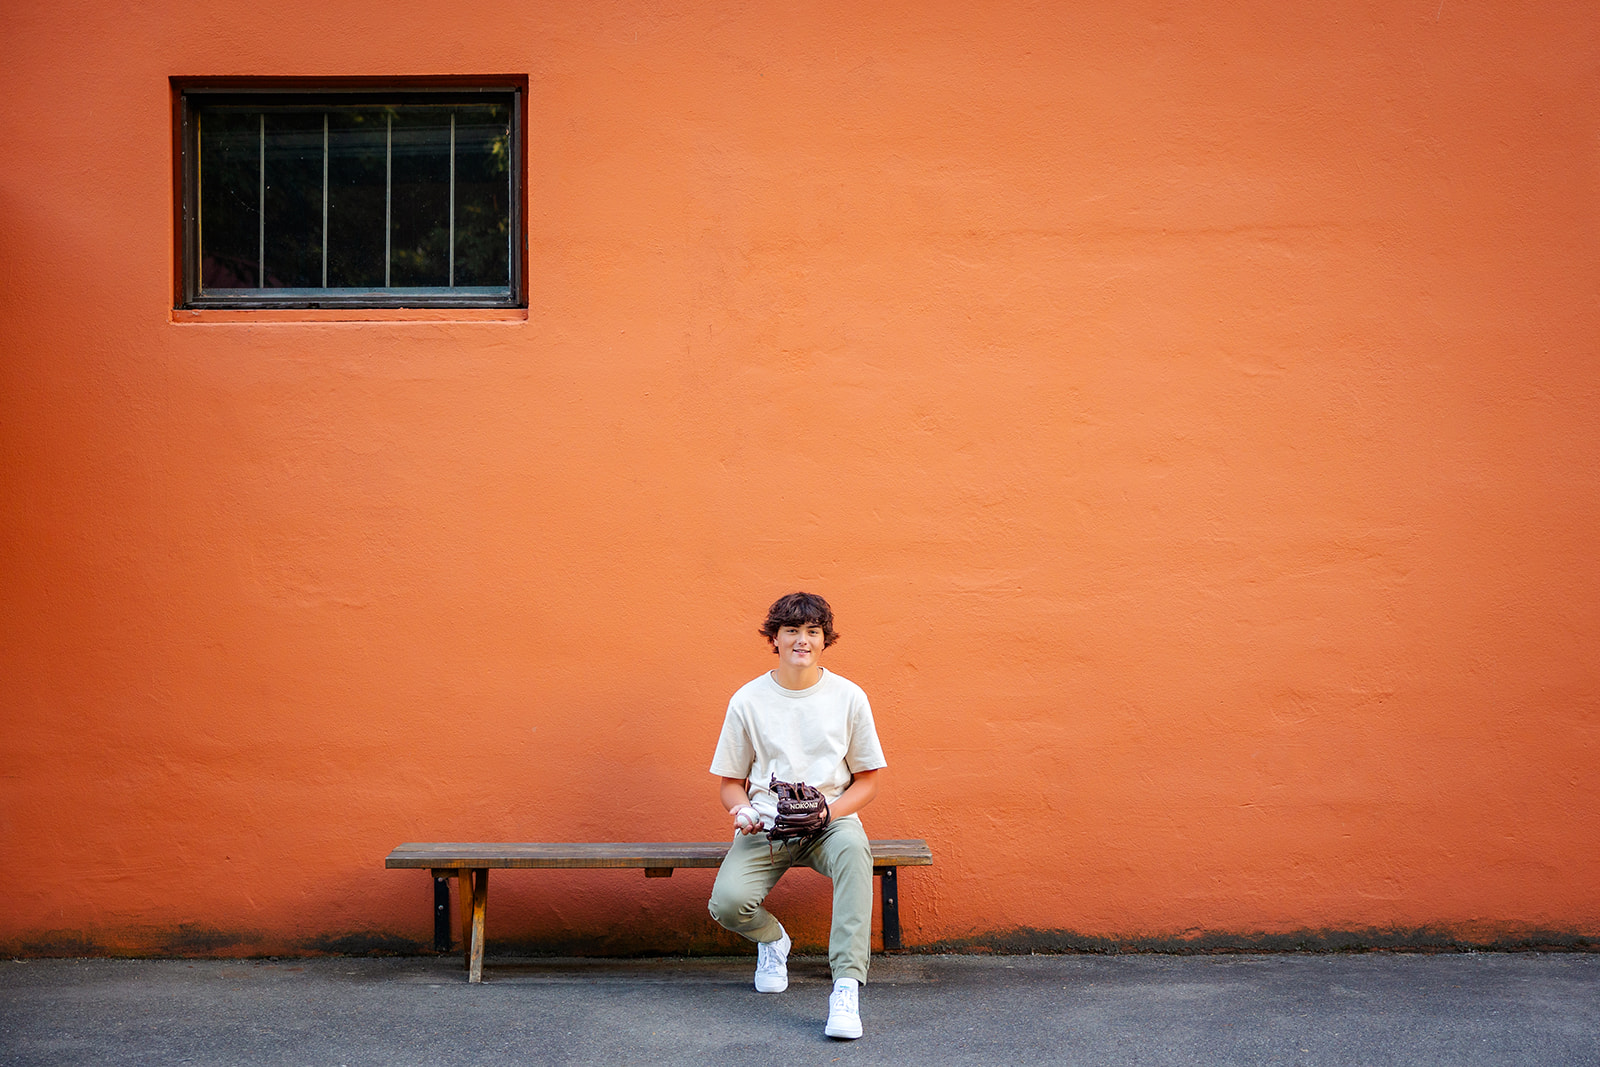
(729, 909)
(850, 855)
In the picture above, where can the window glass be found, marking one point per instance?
(358, 141)
(483, 162)
(292, 246)
(230, 199)
(421, 191)
(305, 202)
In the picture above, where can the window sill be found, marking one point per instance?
(261, 316)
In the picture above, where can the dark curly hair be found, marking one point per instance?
(799, 609)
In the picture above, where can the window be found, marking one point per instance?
(350, 197)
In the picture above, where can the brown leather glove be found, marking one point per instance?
(802, 811)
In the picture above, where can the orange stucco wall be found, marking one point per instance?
(1191, 411)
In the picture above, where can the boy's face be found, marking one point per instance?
(799, 646)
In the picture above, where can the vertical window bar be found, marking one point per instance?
(324, 199)
(452, 199)
(261, 206)
(388, 193)
(199, 201)
(513, 207)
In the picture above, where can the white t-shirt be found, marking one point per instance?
(821, 736)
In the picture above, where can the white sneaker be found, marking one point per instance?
(844, 1010)
(772, 965)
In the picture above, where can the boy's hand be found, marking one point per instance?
(746, 820)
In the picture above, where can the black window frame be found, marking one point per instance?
(189, 95)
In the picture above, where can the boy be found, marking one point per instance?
(800, 723)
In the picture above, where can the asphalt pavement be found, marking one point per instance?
(1538, 1009)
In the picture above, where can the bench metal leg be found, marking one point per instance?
(441, 911)
(464, 904)
(891, 907)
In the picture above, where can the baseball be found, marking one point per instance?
(748, 820)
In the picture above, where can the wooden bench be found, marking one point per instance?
(470, 863)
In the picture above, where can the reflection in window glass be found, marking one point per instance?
(420, 184)
(292, 256)
(483, 161)
(230, 200)
(357, 183)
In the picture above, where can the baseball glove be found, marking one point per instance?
(802, 811)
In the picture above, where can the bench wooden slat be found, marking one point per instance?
(609, 854)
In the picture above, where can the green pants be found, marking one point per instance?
(841, 852)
